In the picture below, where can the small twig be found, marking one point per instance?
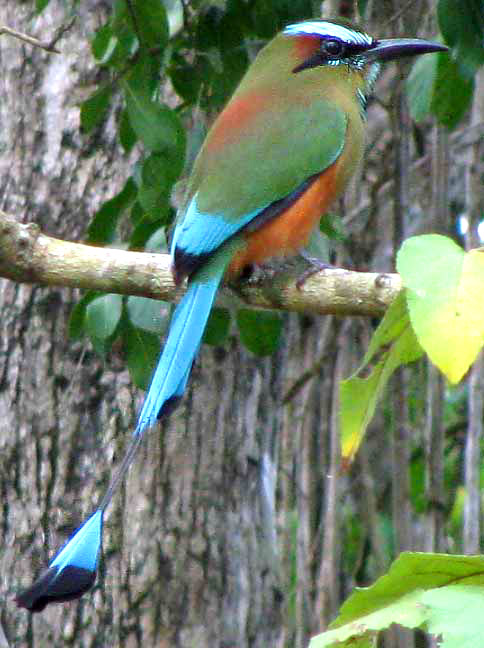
(49, 46)
(309, 374)
(60, 31)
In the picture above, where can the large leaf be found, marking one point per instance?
(156, 125)
(439, 593)
(217, 328)
(103, 315)
(126, 41)
(420, 86)
(393, 344)
(453, 91)
(152, 315)
(77, 319)
(103, 45)
(94, 109)
(462, 25)
(144, 230)
(103, 226)
(260, 331)
(151, 23)
(157, 177)
(142, 350)
(437, 85)
(444, 296)
(127, 136)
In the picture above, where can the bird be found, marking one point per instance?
(280, 152)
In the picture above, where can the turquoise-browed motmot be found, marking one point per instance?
(278, 155)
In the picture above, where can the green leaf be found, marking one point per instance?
(157, 242)
(77, 319)
(104, 44)
(217, 328)
(452, 91)
(151, 23)
(208, 28)
(234, 65)
(455, 614)
(188, 79)
(440, 593)
(40, 5)
(138, 215)
(94, 109)
(152, 315)
(103, 226)
(103, 315)
(127, 136)
(266, 19)
(271, 17)
(142, 350)
(420, 86)
(101, 347)
(394, 343)
(444, 298)
(155, 204)
(115, 42)
(157, 174)
(158, 127)
(156, 181)
(436, 84)
(143, 231)
(222, 57)
(260, 331)
(462, 25)
(332, 227)
(123, 29)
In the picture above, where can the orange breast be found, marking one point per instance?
(290, 231)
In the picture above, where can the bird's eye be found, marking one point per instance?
(333, 47)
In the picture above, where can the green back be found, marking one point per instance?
(299, 132)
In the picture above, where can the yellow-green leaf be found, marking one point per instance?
(439, 593)
(393, 343)
(444, 296)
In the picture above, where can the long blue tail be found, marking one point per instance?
(73, 570)
(186, 331)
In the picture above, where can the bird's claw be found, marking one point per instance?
(315, 265)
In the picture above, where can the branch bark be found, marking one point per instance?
(28, 256)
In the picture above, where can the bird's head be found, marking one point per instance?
(327, 56)
(333, 44)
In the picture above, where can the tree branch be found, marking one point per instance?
(48, 46)
(28, 256)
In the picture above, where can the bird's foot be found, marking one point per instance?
(256, 273)
(315, 265)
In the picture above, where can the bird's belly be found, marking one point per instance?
(289, 232)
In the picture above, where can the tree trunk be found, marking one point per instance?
(236, 526)
(189, 547)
